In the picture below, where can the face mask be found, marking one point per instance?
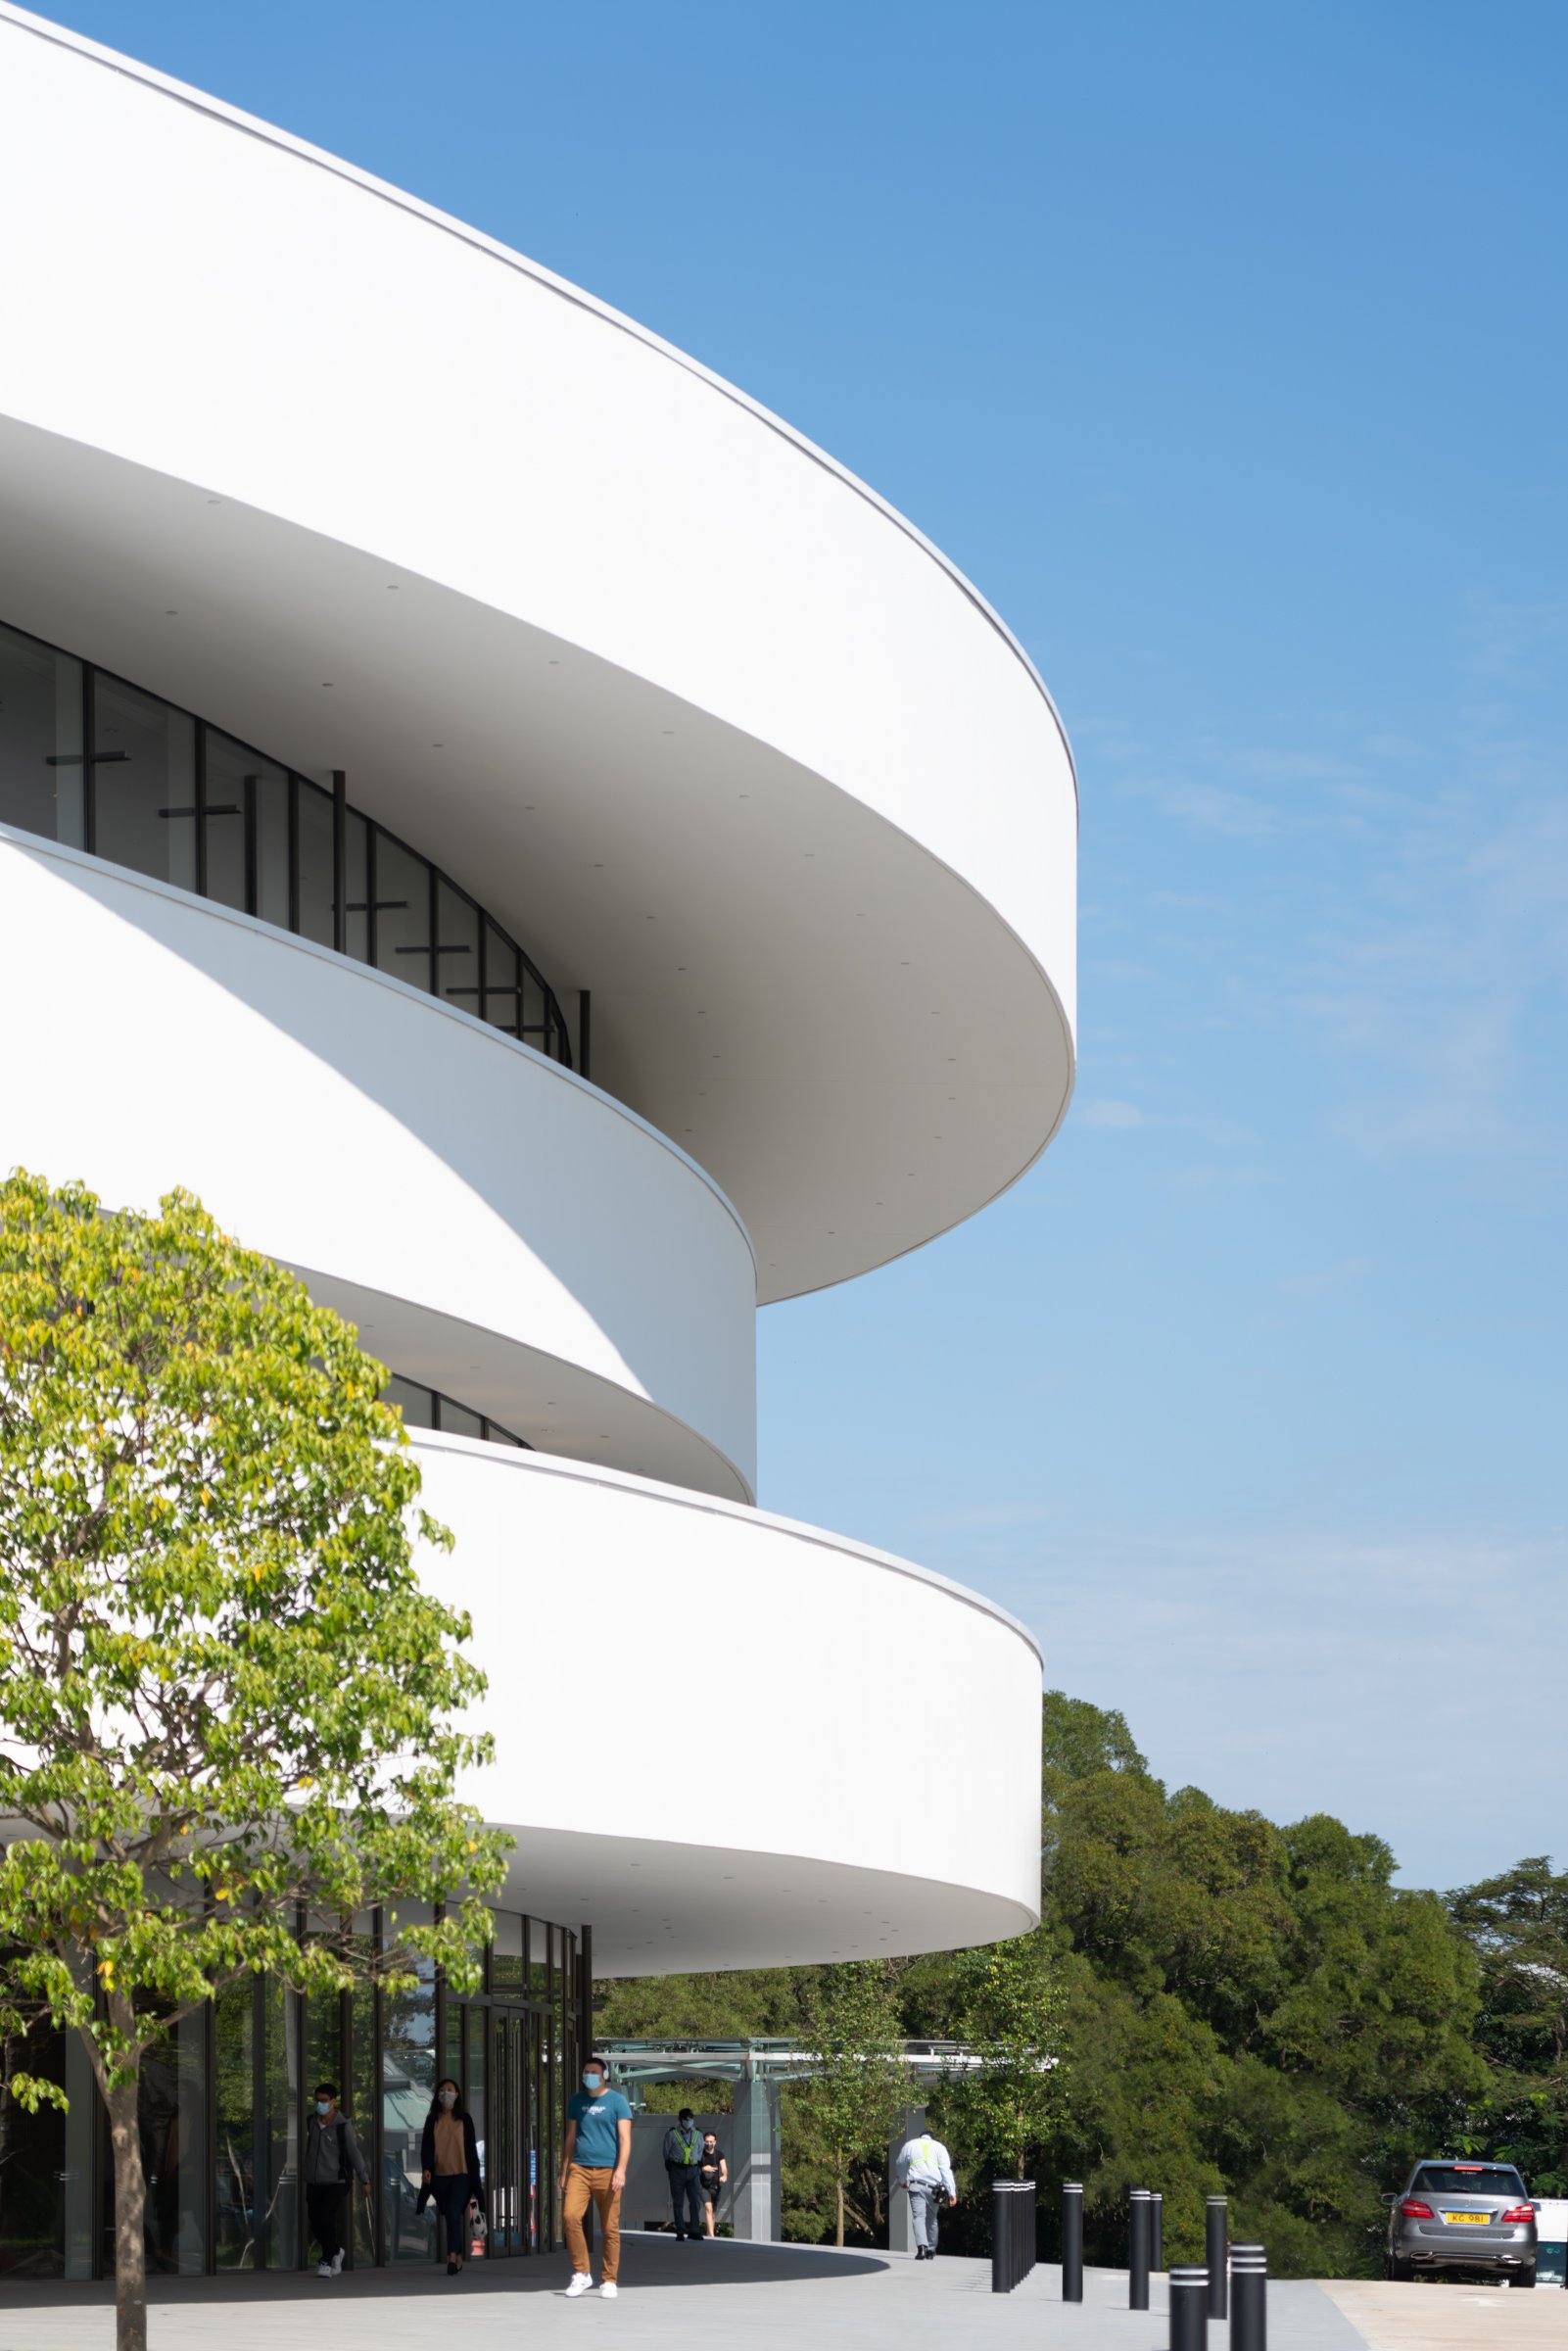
(448, 2097)
(593, 2081)
(323, 2105)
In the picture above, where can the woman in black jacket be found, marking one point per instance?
(448, 2157)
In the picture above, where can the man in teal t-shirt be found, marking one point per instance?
(594, 2161)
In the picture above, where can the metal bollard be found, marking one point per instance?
(1189, 2308)
(1073, 2240)
(1156, 2231)
(1001, 2239)
(1138, 2225)
(1248, 2298)
(1216, 2226)
(1012, 2232)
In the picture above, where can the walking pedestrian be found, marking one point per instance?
(331, 2158)
(450, 2179)
(594, 2159)
(713, 2171)
(924, 2167)
(683, 2156)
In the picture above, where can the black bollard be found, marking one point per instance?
(1216, 2223)
(1156, 2231)
(1001, 2239)
(1073, 2240)
(1138, 2249)
(1248, 2298)
(1189, 2308)
(1011, 2233)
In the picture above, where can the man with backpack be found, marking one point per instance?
(683, 2161)
(331, 2155)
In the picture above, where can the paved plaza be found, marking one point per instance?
(758, 2296)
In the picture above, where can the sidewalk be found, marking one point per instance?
(769, 2296)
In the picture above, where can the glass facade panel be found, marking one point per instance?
(459, 1422)
(407, 2087)
(174, 2136)
(501, 1002)
(41, 773)
(143, 760)
(32, 2161)
(361, 2101)
(279, 2100)
(356, 887)
(477, 2019)
(417, 1405)
(402, 936)
(231, 782)
(273, 797)
(506, 1953)
(314, 885)
(456, 948)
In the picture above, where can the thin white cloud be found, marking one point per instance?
(1111, 1117)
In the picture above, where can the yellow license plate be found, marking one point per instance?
(1474, 2219)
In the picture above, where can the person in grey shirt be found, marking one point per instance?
(331, 2155)
(924, 2167)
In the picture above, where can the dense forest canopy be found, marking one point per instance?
(1238, 2009)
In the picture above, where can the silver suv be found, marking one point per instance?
(1462, 2215)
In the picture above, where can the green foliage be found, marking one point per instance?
(1008, 2010)
(859, 2087)
(1251, 2010)
(224, 1695)
(1517, 1926)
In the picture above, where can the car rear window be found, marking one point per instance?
(1470, 2179)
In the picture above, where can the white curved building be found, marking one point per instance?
(569, 865)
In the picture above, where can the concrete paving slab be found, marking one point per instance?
(771, 2297)
(1450, 2316)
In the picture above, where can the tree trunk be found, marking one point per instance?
(130, 2220)
(838, 2185)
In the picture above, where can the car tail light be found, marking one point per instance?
(1518, 2212)
(1415, 2211)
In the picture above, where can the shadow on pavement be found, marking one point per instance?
(645, 2260)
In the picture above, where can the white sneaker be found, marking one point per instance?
(336, 2263)
(324, 2268)
(608, 2291)
(581, 2283)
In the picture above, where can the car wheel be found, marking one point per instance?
(1523, 2276)
(1399, 2270)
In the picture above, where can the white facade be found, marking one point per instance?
(683, 709)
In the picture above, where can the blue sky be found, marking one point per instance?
(1225, 348)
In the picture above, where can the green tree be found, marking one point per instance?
(859, 2087)
(225, 1701)
(1010, 2013)
(1517, 1926)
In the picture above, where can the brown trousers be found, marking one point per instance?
(582, 2182)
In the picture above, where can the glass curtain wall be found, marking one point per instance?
(89, 759)
(427, 1408)
(223, 2100)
